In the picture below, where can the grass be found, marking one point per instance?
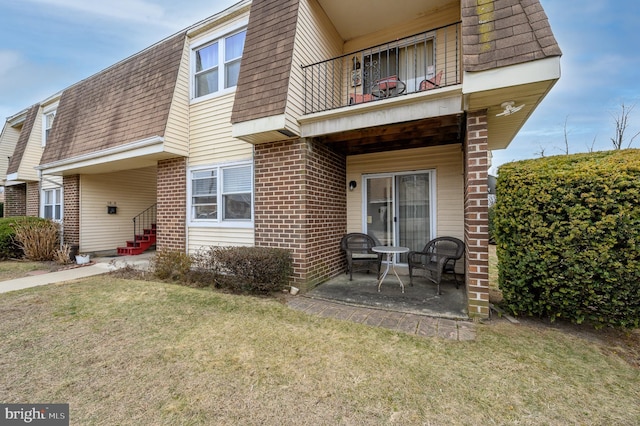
(11, 269)
(141, 352)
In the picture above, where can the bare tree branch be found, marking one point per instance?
(566, 136)
(622, 122)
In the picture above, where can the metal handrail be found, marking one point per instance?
(385, 70)
(143, 221)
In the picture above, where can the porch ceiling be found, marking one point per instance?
(442, 130)
(374, 15)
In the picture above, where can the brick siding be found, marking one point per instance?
(301, 206)
(71, 216)
(476, 214)
(172, 208)
(33, 199)
(15, 200)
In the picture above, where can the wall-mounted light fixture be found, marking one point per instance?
(352, 185)
(509, 108)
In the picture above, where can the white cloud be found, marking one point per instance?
(126, 10)
(9, 61)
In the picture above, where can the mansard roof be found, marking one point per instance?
(498, 33)
(23, 139)
(127, 102)
(266, 61)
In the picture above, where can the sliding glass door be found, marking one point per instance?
(399, 210)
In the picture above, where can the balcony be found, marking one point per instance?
(426, 61)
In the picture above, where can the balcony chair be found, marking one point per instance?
(357, 98)
(431, 84)
(438, 257)
(360, 257)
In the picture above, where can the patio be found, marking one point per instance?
(419, 299)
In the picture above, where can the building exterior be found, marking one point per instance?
(287, 123)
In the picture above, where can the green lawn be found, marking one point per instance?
(140, 352)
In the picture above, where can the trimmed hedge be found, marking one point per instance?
(258, 270)
(567, 230)
(254, 270)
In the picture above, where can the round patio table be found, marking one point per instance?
(391, 252)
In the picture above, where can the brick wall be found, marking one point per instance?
(476, 214)
(15, 200)
(71, 215)
(33, 199)
(172, 207)
(300, 205)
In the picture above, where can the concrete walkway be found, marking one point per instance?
(100, 265)
(419, 325)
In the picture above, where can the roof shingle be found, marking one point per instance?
(127, 102)
(23, 139)
(497, 33)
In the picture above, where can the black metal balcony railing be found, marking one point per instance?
(421, 62)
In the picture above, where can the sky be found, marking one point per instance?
(47, 45)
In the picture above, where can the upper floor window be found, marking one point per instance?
(217, 64)
(47, 125)
(222, 194)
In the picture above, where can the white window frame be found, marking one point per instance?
(57, 201)
(219, 38)
(45, 114)
(219, 221)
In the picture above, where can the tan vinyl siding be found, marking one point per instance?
(447, 161)
(8, 141)
(176, 135)
(201, 237)
(211, 143)
(316, 40)
(102, 231)
(210, 133)
(434, 19)
(32, 152)
(210, 139)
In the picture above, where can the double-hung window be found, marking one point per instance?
(217, 64)
(222, 194)
(47, 124)
(52, 205)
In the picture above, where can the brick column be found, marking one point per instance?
(300, 205)
(172, 204)
(71, 214)
(33, 199)
(476, 214)
(15, 200)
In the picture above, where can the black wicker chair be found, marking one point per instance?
(438, 257)
(360, 257)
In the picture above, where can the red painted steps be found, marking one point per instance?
(141, 243)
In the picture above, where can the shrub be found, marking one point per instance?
(8, 247)
(257, 270)
(568, 237)
(168, 264)
(38, 238)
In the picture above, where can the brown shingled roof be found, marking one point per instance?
(127, 102)
(266, 60)
(23, 139)
(498, 33)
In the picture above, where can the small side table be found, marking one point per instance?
(390, 251)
